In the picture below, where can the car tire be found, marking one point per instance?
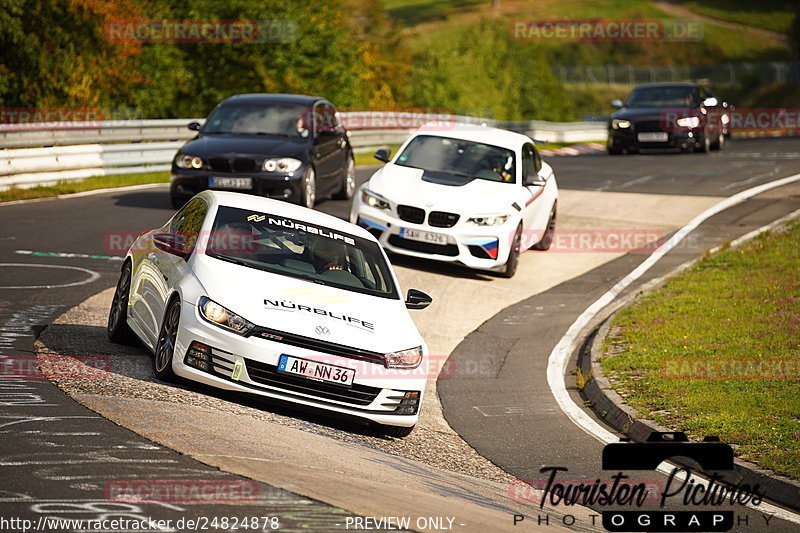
(513, 255)
(308, 188)
(398, 432)
(614, 151)
(165, 347)
(705, 146)
(348, 187)
(176, 202)
(719, 143)
(547, 239)
(117, 328)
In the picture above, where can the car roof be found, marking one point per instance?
(260, 204)
(475, 133)
(266, 98)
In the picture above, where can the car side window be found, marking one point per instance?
(188, 221)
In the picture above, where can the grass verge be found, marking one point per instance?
(741, 308)
(88, 184)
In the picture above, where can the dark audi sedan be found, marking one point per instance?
(283, 146)
(682, 116)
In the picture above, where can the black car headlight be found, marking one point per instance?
(189, 161)
(281, 164)
(222, 317)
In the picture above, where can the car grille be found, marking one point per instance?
(411, 214)
(424, 247)
(222, 164)
(440, 219)
(649, 125)
(265, 374)
(317, 345)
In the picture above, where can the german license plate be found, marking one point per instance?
(230, 183)
(423, 236)
(653, 137)
(307, 368)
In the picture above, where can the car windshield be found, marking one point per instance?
(290, 247)
(662, 97)
(459, 157)
(287, 120)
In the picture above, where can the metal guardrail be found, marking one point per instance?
(45, 153)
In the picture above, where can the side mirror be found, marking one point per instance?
(417, 299)
(710, 102)
(194, 126)
(383, 155)
(534, 180)
(617, 104)
(171, 243)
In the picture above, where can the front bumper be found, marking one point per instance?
(376, 394)
(679, 139)
(474, 246)
(185, 183)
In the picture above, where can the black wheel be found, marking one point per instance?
(719, 143)
(348, 182)
(614, 151)
(513, 255)
(705, 146)
(176, 202)
(165, 348)
(398, 432)
(309, 189)
(117, 329)
(547, 238)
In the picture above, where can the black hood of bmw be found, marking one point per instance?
(225, 144)
(634, 113)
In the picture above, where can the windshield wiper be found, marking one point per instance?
(230, 259)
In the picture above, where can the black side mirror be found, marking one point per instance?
(383, 155)
(417, 299)
(171, 243)
(194, 126)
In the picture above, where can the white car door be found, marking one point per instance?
(540, 193)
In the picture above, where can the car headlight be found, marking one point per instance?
(410, 358)
(189, 161)
(373, 200)
(688, 122)
(620, 124)
(281, 164)
(224, 318)
(489, 220)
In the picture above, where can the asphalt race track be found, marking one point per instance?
(60, 458)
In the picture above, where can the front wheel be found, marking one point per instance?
(719, 143)
(309, 189)
(513, 254)
(165, 348)
(704, 146)
(348, 182)
(117, 328)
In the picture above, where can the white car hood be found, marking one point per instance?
(404, 185)
(347, 315)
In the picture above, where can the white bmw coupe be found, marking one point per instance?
(468, 194)
(255, 295)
